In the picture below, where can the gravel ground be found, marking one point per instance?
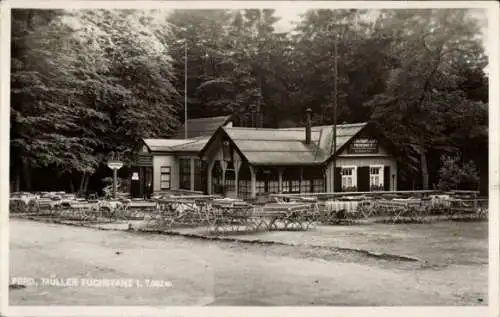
(453, 270)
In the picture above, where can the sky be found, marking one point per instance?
(288, 16)
(292, 14)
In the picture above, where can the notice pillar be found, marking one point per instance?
(115, 165)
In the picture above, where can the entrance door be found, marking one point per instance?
(200, 176)
(148, 181)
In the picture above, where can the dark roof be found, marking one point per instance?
(201, 127)
(199, 132)
(287, 146)
(193, 145)
(164, 145)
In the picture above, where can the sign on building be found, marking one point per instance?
(363, 146)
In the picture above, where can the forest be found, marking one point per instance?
(88, 83)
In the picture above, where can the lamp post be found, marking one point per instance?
(335, 111)
(334, 138)
(115, 165)
(185, 90)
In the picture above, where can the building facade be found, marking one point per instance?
(165, 165)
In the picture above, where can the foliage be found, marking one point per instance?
(359, 56)
(122, 185)
(423, 90)
(85, 83)
(456, 175)
(45, 125)
(88, 82)
(233, 61)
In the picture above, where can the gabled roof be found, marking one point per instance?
(176, 145)
(287, 146)
(199, 132)
(164, 145)
(201, 127)
(194, 145)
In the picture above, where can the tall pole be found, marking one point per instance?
(115, 171)
(335, 72)
(185, 91)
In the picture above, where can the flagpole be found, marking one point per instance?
(185, 92)
(334, 149)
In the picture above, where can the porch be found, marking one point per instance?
(246, 181)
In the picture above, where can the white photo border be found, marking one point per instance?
(494, 163)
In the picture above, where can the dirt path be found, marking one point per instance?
(220, 273)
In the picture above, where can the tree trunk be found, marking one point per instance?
(423, 164)
(17, 184)
(82, 181)
(71, 186)
(26, 174)
(86, 183)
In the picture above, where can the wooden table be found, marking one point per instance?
(222, 218)
(412, 209)
(299, 216)
(177, 212)
(474, 207)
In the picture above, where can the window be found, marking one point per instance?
(305, 186)
(165, 178)
(185, 173)
(318, 185)
(348, 177)
(285, 188)
(244, 189)
(273, 186)
(260, 186)
(376, 178)
(295, 186)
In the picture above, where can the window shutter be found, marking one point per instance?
(364, 179)
(338, 180)
(387, 178)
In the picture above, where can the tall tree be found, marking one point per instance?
(99, 81)
(360, 64)
(233, 61)
(44, 123)
(428, 46)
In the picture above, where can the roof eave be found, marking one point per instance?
(340, 149)
(287, 164)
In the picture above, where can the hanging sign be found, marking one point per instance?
(363, 146)
(115, 164)
(135, 176)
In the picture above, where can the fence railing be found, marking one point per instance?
(382, 194)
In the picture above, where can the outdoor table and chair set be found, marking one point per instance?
(285, 212)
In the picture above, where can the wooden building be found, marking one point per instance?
(246, 162)
(174, 164)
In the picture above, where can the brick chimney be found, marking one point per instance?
(308, 126)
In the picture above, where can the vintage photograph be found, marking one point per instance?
(288, 156)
